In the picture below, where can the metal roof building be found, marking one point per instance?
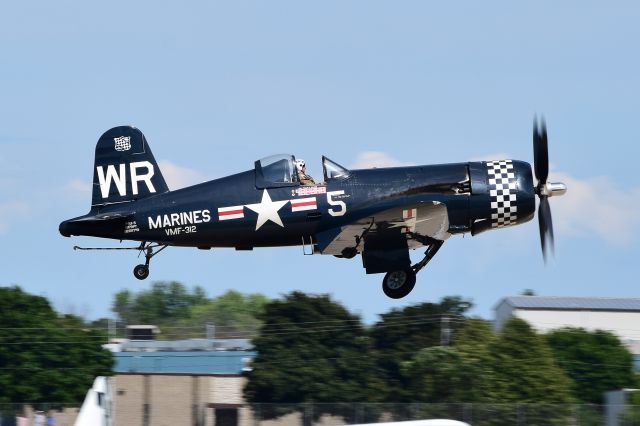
(568, 303)
(191, 362)
(618, 315)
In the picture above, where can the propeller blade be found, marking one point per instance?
(546, 227)
(540, 152)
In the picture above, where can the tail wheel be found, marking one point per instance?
(141, 272)
(397, 284)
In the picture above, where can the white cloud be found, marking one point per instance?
(492, 157)
(370, 159)
(78, 186)
(175, 176)
(179, 177)
(596, 206)
(10, 212)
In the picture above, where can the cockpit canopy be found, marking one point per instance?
(277, 169)
(280, 171)
(333, 170)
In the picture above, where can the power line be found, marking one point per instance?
(283, 360)
(293, 331)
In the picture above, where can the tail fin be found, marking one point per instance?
(125, 169)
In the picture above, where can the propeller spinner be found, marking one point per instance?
(544, 189)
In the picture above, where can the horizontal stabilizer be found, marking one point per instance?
(84, 225)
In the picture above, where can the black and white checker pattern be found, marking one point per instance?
(502, 191)
(123, 143)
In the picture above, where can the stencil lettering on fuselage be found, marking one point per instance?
(139, 171)
(193, 217)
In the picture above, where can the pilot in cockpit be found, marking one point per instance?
(303, 177)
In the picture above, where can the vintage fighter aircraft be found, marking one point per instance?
(380, 214)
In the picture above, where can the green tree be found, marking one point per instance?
(101, 324)
(164, 302)
(474, 341)
(458, 373)
(475, 337)
(525, 369)
(44, 357)
(524, 375)
(402, 333)
(596, 361)
(311, 349)
(446, 376)
(181, 313)
(123, 307)
(443, 374)
(235, 315)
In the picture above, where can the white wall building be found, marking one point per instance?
(621, 316)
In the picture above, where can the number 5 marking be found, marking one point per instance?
(340, 203)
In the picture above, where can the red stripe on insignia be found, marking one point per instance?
(230, 212)
(306, 203)
(408, 214)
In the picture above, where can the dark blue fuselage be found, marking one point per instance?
(215, 213)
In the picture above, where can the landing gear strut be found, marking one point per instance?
(142, 271)
(428, 255)
(397, 284)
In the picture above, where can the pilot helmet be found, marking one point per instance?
(300, 164)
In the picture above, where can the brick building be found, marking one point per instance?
(180, 387)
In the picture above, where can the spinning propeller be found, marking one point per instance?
(544, 189)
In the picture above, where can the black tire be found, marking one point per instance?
(397, 284)
(141, 272)
(349, 252)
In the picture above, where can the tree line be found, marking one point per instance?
(49, 357)
(46, 357)
(310, 348)
(181, 313)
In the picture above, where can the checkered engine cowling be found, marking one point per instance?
(502, 191)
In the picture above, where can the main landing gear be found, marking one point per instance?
(397, 284)
(141, 271)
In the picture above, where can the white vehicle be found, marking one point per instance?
(96, 408)
(433, 422)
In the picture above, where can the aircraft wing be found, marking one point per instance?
(420, 222)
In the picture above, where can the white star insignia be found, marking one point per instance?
(267, 210)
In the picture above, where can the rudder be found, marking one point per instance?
(125, 169)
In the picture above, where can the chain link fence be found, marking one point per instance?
(58, 414)
(321, 414)
(472, 413)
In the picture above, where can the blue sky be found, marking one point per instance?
(215, 86)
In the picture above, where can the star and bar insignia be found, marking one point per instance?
(267, 209)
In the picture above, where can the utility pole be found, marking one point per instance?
(211, 331)
(445, 331)
(111, 329)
